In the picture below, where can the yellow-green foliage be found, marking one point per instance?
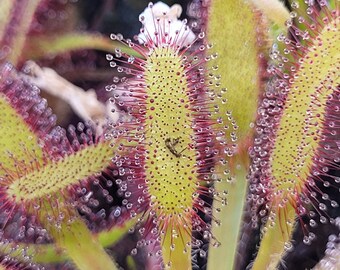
(171, 163)
(232, 30)
(298, 140)
(274, 10)
(301, 123)
(30, 176)
(19, 147)
(56, 176)
(17, 139)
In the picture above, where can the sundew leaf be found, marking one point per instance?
(275, 11)
(172, 136)
(240, 62)
(40, 46)
(16, 136)
(14, 256)
(20, 146)
(27, 136)
(23, 118)
(171, 177)
(40, 185)
(298, 128)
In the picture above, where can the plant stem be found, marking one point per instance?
(49, 253)
(223, 257)
(277, 235)
(175, 258)
(72, 236)
(111, 237)
(81, 246)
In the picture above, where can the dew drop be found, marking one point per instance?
(295, 5)
(134, 252)
(109, 57)
(203, 253)
(322, 207)
(131, 59)
(288, 246)
(323, 219)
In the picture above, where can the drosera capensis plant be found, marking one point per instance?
(172, 154)
(172, 134)
(298, 128)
